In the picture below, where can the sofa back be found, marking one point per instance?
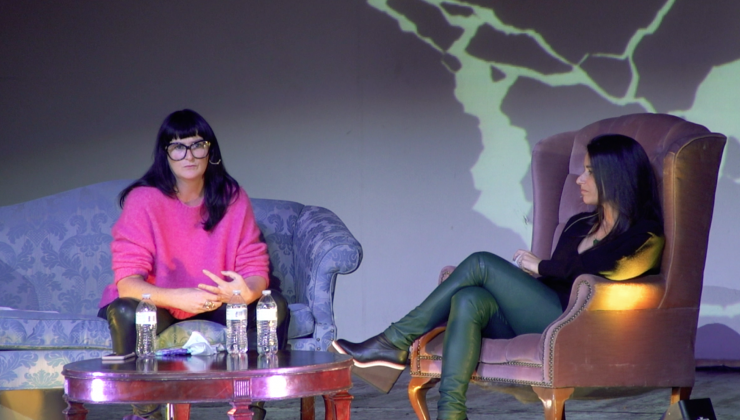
(55, 250)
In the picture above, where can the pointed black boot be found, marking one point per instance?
(376, 360)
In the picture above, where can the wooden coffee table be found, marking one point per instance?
(218, 378)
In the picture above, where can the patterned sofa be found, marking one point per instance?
(55, 262)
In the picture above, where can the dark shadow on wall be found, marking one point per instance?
(425, 143)
(544, 110)
(576, 28)
(717, 340)
(723, 264)
(717, 345)
(679, 56)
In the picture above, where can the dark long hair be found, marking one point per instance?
(220, 189)
(625, 179)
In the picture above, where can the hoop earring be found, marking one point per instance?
(214, 163)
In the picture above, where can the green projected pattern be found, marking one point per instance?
(506, 152)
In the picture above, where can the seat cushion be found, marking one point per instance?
(177, 335)
(302, 322)
(38, 369)
(524, 348)
(34, 330)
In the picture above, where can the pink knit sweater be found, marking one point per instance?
(163, 240)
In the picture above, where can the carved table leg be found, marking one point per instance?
(240, 410)
(74, 410)
(308, 408)
(181, 411)
(338, 406)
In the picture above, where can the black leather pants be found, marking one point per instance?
(486, 296)
(121, 316)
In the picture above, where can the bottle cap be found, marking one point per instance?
(146, 296)
(237, 292)
(267, 292)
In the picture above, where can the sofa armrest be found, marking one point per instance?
(323, 247)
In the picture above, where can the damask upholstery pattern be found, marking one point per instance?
(55, 263)
(322, 252)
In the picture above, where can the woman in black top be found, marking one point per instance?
(487, 296)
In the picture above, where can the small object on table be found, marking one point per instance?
(118, 358)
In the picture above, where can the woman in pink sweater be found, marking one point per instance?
(186, 236)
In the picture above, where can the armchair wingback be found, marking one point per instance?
(636, 333)
(55, 262)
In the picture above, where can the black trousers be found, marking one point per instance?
(121, 316)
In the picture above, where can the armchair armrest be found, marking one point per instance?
(593, 294)
(621, 328)
(610, 295)
(418, 348)
(324, 247)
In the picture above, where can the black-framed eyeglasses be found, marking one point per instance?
(178, 151)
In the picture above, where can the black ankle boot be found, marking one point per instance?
(375, 351)
(377, 360)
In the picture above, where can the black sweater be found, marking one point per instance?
(631, 254)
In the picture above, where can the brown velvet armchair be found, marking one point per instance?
(616, 334)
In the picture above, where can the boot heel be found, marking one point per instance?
(381, 378)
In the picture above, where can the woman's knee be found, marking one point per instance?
(486, 259)
(475, 303)
(121, 314)
(122, 309)
(481, 265)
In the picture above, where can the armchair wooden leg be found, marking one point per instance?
(680, 394)
(418, 388)
(553, 400)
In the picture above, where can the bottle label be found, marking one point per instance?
(146, 318)
(267, 314)
(236, 314)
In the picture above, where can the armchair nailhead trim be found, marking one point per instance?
(418, 360)
(551, 353)
(551, 356)
(481, 379)
(425, 374)
(511, 381)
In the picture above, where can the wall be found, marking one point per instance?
(413, 120)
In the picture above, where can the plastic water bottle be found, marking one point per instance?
(236, 324)
(146, 327)
(267, 324)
